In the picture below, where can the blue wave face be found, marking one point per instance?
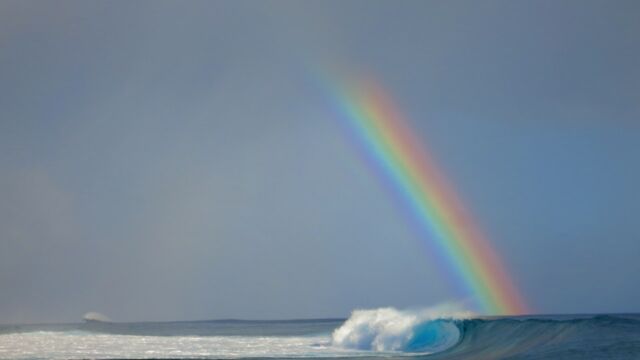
(596, 337)
(433, 336)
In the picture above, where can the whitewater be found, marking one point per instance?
(377, 333)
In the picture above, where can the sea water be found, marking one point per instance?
(380, 333)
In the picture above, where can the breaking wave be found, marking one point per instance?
(389, 329)
(440, 335)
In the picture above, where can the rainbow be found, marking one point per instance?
(446, 227)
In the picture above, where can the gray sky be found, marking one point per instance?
(172, 160)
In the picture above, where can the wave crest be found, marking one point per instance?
(388, 329)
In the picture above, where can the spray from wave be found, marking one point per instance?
(388, 329)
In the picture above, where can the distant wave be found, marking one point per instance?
(459, 336)
(95, 316)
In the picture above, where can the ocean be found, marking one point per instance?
(382, 333)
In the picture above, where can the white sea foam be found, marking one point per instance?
(78, 344)
(83, 345)
(389, 329)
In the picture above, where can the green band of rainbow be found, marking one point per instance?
(387, 138)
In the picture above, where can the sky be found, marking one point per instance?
(177, 160)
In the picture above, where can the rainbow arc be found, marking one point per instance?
(446, 226)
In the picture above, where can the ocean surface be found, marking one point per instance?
(380, 333)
